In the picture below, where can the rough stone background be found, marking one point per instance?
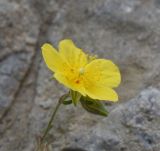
(125, 31)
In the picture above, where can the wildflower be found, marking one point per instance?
(73, 68)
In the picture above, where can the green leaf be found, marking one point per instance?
(75, 96)
(67, 102)
(93, 106)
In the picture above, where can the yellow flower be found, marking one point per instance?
(95, 78)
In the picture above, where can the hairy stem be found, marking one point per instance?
(49, 126)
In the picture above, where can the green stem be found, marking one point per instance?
(49, 126)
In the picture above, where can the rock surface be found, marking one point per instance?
(131, 126)
(125, 31)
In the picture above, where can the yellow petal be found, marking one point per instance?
(62, 79)
(73, 55)
(102, 93)
(103, 73)
(100, 76)
(52, 58)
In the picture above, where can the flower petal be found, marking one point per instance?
(73, 55)
(100, 77)
(52, 58)
(103, 72)
(102, 93)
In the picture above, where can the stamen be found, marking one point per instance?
(81, 71)
(92, 57)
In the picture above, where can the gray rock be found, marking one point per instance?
(125, 31)
(131, 126)
(18, 24)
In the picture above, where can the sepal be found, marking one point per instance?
(93, 106)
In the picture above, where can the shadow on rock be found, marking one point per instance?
(73, 149)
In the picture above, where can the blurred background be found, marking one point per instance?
(125, 31)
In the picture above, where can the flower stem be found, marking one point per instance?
(49, 126)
